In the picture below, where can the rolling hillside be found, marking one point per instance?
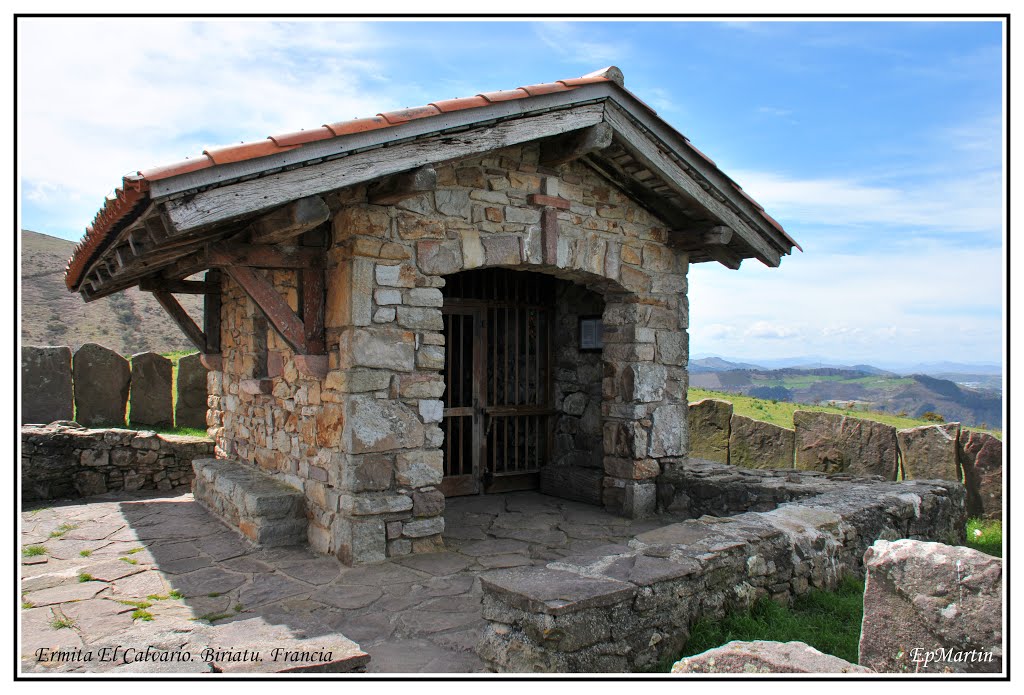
(909, 396)
(127, 322)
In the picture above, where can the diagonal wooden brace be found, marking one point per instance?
(273, 306)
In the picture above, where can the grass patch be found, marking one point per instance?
(26, 604)
(85, 553)
(140, 614)
(61, 622)
(33, 550)
(136, 604)
(829, 621)
(175, 594)
(62, 529)
(85, 577)
(214, 617)
(215, 594)
(134, 550)
(239, 608)
(986, 536)
(129, 560)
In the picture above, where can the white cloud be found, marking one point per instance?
(140, 93)
(969, 203)
(578, 43)
(770, 331)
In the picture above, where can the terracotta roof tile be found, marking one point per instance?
(357, 125)
(460, 103)
(135, 189)
(301, 137)
(186, 166)
(404, 115)
(244, 151)
(506, 95)
(535, 90)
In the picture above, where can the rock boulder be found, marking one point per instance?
(981, 458)
(709, 423)
(930, 452)
(190, 407)
(756, 444)
(833, 443)
(931, 608)
(765, 657)
(46, 393)
(101, 379)
(150, 397)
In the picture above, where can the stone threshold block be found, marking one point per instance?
(263, 509)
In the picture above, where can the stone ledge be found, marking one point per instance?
(263, 509)
(637, 601)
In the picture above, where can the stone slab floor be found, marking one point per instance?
(106, 557)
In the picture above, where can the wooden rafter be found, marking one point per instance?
(401, 186)
(289, 221)
(576, 144)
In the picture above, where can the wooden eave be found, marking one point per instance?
(188, 215)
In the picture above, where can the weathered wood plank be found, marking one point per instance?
(565, 149)
(258, 256)
(654, 159)
(402, 186)
(181, 318)
(272, 305)
(290, 221)
(218, 205)
(211, 312)
(154, 284)
(313, 310)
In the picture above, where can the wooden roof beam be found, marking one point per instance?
(289, 221)
(402, 186)
(576, 144)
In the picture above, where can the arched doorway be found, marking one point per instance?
(499, 400)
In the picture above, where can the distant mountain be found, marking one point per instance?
(126, 322)
(875, 389)
(717, 364)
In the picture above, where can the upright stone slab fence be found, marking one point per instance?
(46, 383)
(94, 387)
(834, 443)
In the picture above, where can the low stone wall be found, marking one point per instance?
(623, 608)
(59, 461)
(834, 443)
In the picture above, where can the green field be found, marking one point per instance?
(781, 412)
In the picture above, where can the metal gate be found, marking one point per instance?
(498, 394)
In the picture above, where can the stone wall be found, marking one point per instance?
(576, 469)
(833, 443)
(363, 442)
(624, 608)
(94, 388)
(67, 461)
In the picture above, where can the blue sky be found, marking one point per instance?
(878, 145)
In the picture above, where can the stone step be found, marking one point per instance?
(263, 509)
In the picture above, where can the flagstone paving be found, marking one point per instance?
(157, 572)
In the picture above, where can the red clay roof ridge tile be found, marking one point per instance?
(136, 187)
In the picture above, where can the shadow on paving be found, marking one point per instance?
(201, 586)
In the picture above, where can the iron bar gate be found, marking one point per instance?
(499, 401)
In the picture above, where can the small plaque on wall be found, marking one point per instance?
(590, 333)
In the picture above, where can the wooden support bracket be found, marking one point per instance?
(181, 317)
(575, 145)
(402, 186)
(289, 221)
(273, 306)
